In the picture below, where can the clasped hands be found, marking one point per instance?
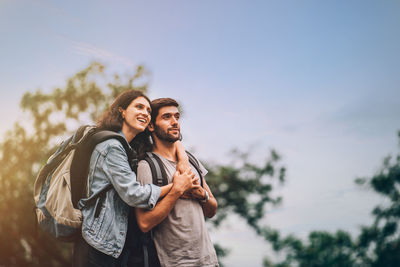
(192, 188)
(196, 192)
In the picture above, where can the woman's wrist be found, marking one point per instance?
(180, 152)
(165, 190)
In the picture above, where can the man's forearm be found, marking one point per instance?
(209, 207)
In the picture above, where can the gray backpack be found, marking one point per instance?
(62, 182)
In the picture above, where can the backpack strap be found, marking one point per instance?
(77, 137)
(80, 164)
(159, 177)
(157, 169)
(103, 135)
(196, 165)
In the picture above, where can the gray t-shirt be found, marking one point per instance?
(182, 239)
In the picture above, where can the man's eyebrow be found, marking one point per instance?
(170, 113)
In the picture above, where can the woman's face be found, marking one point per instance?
(137, 115)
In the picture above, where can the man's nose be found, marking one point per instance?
(174, 120)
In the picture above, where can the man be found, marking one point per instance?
(181, 236)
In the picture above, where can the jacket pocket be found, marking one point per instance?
(98, 214)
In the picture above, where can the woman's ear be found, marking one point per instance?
(122, 111)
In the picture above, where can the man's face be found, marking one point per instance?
(167, 126)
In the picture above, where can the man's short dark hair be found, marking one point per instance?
(158, 103)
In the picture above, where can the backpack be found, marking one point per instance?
(158, 172)
(62, 182)
(144, 251)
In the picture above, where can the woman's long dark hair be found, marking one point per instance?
(142, 144)
(112, 120)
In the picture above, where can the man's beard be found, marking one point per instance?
(165, 136)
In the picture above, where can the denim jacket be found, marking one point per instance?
(105, 223)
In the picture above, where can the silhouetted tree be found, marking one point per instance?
(380, 243)
(377, 245)
(25, 148)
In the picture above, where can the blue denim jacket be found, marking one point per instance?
(107, 231)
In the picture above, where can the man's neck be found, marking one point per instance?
(165, 149)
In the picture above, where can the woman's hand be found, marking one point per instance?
(183, 166)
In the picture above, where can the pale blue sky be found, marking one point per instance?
(316, 80)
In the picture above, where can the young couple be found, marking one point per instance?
(175, 212)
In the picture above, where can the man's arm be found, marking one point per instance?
(209, 205)
(147, 219)
(208, 201)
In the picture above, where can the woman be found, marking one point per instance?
(105, 224)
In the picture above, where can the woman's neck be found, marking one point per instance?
(129, 133)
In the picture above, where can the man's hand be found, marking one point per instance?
(183, 182)
(197, 192)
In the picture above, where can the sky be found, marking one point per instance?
(316, 80)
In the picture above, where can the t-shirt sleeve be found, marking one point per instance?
(144, 175)
(203, 170)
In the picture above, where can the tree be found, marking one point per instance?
(380, 243)
(321, 249)
(376, 245)
(25, 148)
(240, 187)
(245, 189)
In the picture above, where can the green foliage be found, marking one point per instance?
(322, 249)
(25, 148)
(221, 253)
(377, 245)
(380, 242)
(245, 188)
(241, 187)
